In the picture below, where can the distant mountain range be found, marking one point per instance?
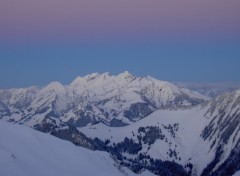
(211, 90)
(144, 123)
(115, 100)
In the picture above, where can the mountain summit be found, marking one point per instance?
(114, 100)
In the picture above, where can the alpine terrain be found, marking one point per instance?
(25, 151)
(146, 125)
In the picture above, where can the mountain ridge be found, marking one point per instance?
(118, 100)
(145, 123)
(204, 140)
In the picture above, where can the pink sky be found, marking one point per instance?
(119, 19)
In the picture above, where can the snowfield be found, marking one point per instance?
(186, 141)
(26, 152)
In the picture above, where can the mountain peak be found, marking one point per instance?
(125, 75)
(91, 76)
(238, 92)
(54, 87)
(105, 75)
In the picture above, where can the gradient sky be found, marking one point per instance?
(175, 40)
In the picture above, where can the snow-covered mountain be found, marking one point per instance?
(211, 89)
(115, 100)
(144, 123)
(26, 152)
(214, 92)
(205, 140)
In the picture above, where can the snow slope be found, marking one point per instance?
(237, 174)
(185, 138)
(26, 152)
(207, 136)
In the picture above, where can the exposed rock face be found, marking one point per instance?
(223, 132)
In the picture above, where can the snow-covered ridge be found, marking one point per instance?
(116, 100)
(206, 136)
(211, 89)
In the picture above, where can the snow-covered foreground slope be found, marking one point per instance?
(26, 152)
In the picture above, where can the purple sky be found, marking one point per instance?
(112, 20)
(174, 40)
